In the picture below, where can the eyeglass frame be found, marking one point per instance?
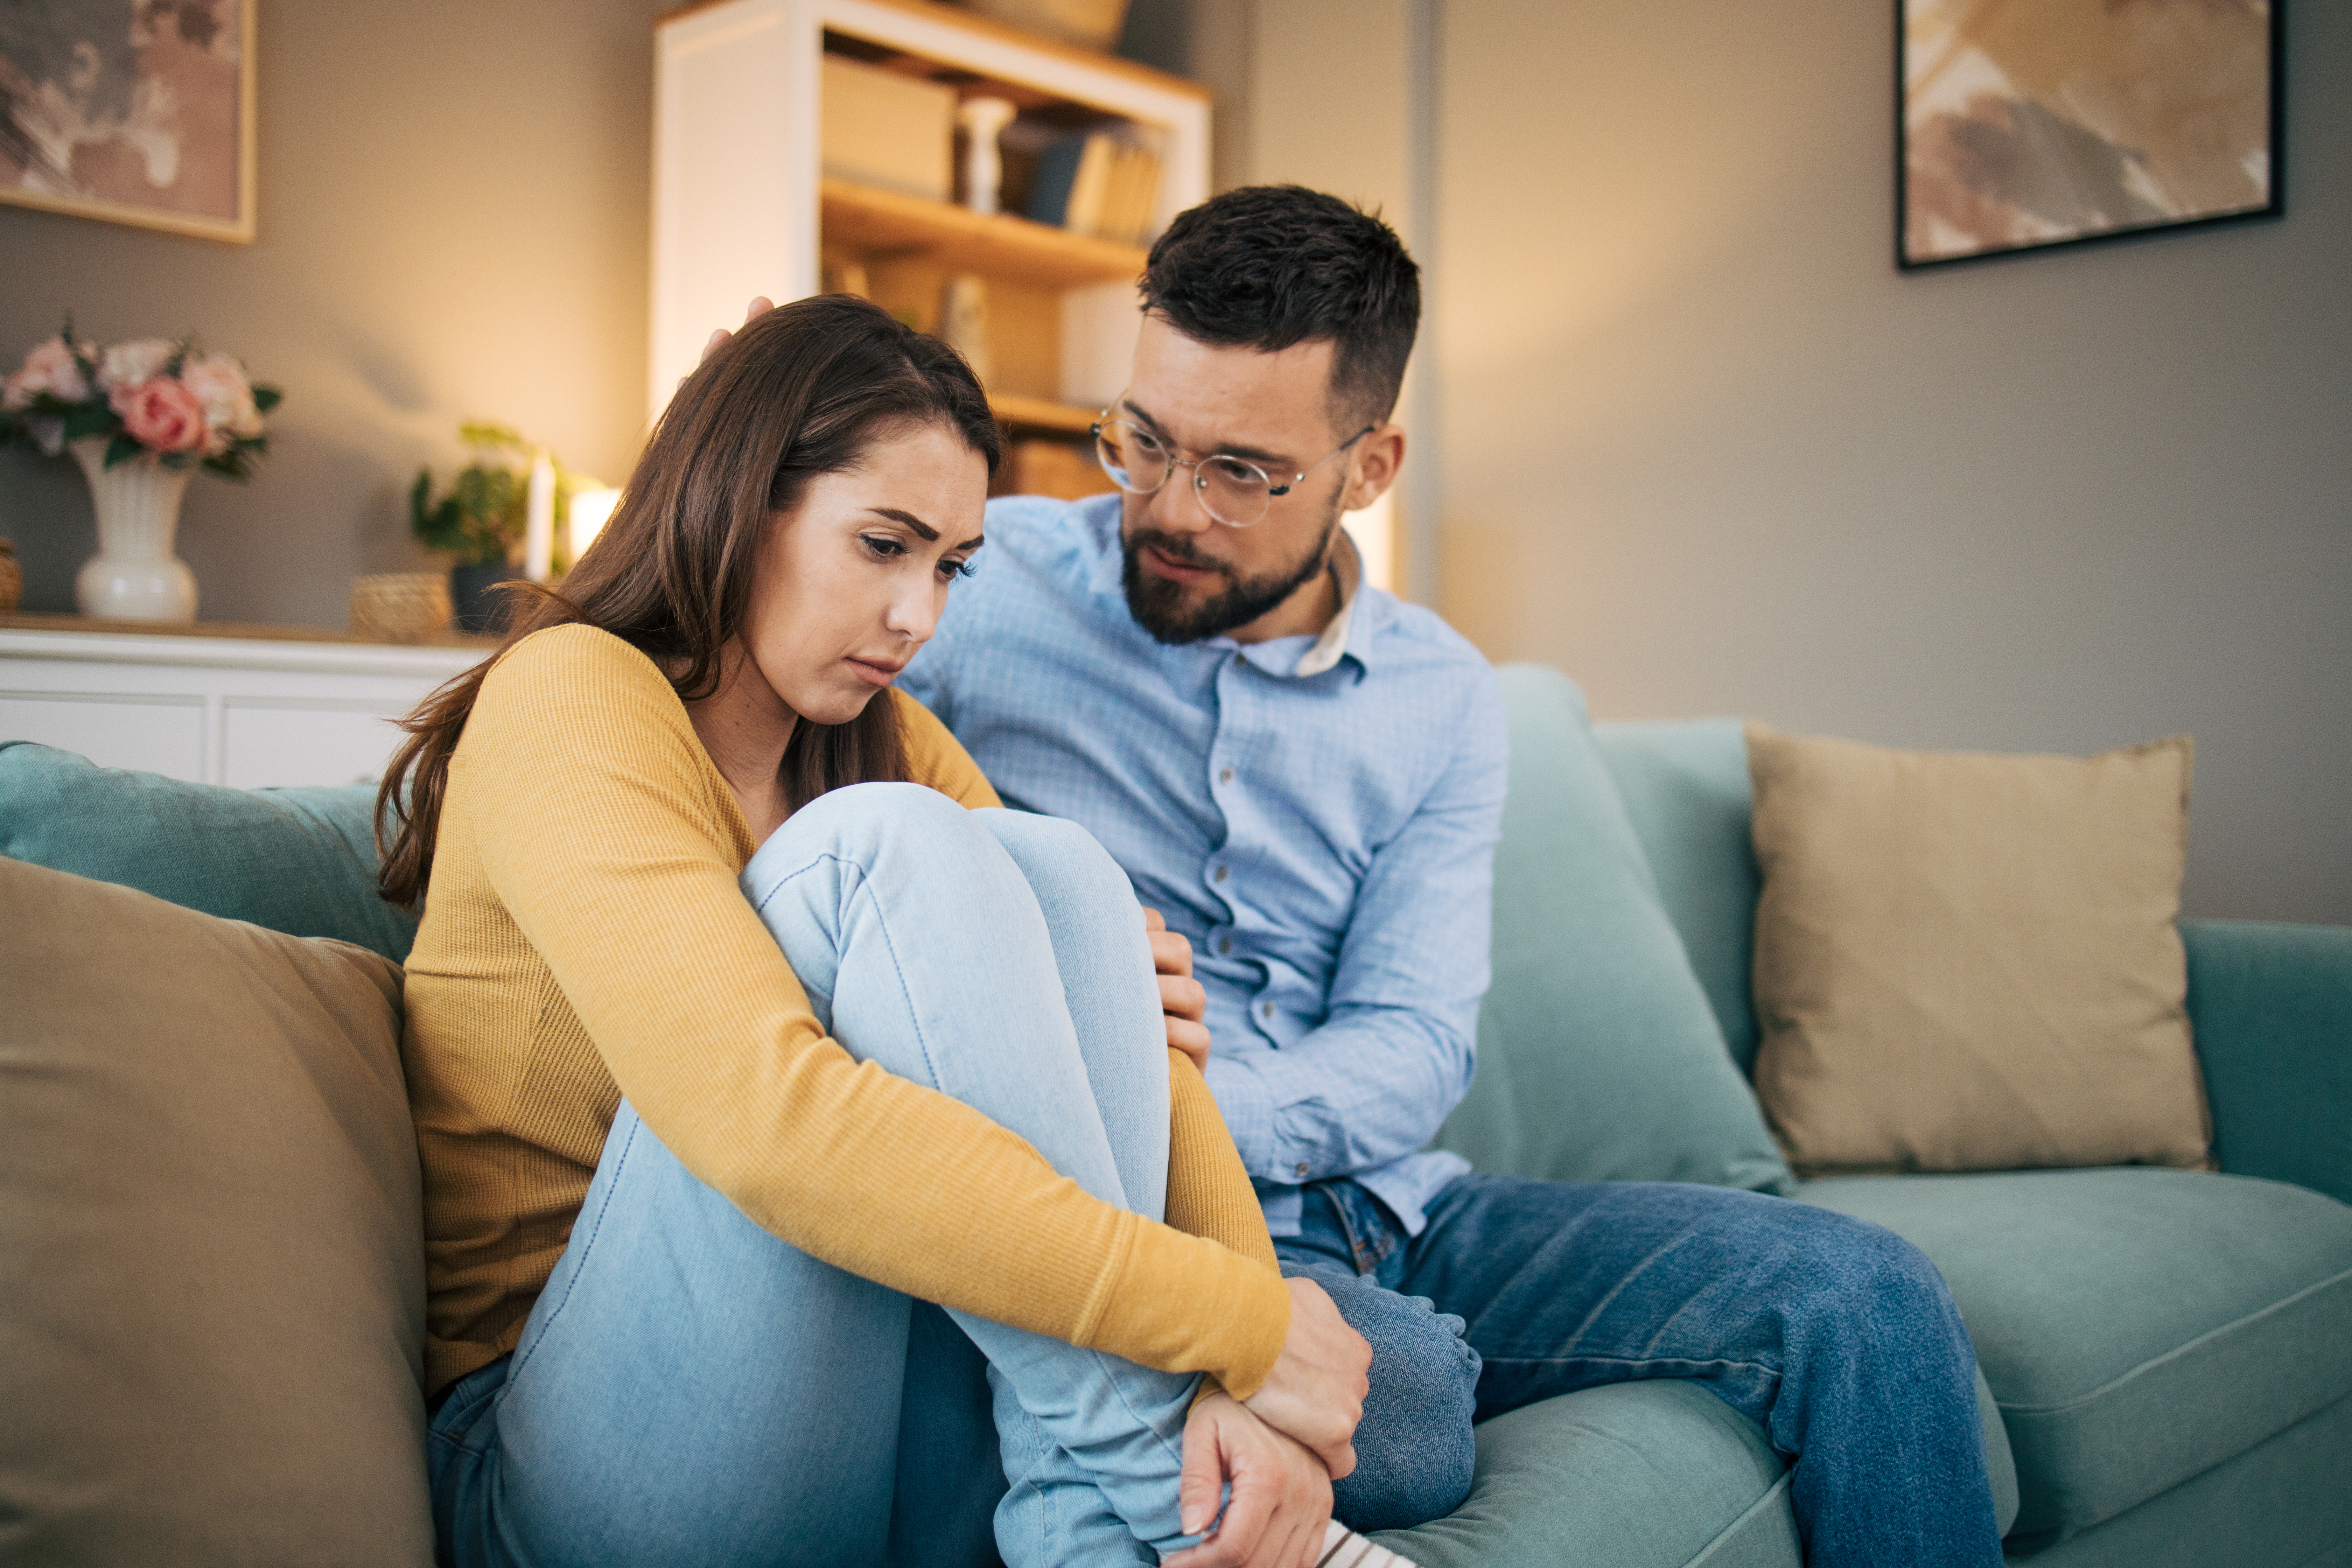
(1199, 484)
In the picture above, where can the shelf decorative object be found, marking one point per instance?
(141, 418)
(505, 516)
(399, 606)
(12, 579)
(982, 119)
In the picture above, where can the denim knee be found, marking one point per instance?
(860, 813)
(1055, 853)
(1415, 1449)
(1854, 1271)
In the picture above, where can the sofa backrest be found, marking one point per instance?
(1684, 783)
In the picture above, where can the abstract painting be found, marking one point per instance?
(2031, 123)
(139, 112)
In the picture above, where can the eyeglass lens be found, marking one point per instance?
(1233, 493)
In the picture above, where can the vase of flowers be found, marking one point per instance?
(141, 418)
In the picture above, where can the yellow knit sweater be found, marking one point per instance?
(584, 938)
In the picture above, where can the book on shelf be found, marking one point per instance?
(1100, 183)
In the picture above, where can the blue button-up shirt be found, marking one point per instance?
(1317, 813)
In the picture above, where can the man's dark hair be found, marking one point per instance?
(1266, 266)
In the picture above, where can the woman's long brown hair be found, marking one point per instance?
(799, 392)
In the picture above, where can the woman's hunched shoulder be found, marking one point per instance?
(563, 673)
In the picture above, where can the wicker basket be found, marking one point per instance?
(399, 606)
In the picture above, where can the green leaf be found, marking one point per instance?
(90, 419)
(121, 449)
(266, 399)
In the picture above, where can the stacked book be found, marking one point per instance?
(1101, 183)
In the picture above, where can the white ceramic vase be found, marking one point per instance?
(134, 576)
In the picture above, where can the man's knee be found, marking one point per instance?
(1415, 1450)
(1866, 1276)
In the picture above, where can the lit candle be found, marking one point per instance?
(590, 512)
(538, 534)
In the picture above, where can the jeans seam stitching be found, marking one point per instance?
(572, 1284)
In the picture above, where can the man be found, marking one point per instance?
(1307, 776)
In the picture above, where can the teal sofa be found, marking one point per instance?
(2167, 1355)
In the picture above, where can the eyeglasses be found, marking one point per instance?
(1234, 491)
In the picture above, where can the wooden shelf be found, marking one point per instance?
(1012, 408)
(859, 218)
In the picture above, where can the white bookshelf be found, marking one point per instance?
(740, 205)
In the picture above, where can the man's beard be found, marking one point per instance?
(1158, 604)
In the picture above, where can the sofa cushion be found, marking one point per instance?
(2139, 1326)
(211, 1292)
(1635, 1475)
(1685, 787)
(297, 860)
(1599, 1058)
(1971, 963)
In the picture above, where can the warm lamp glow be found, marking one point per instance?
(1375, 532)
(590, 512)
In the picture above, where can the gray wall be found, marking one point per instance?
(453, 204)
(1709, 452)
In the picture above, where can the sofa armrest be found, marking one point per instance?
(2271, 1007)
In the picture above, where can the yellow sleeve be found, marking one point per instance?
(1208, 1191)
(597, 828)
(935, 757)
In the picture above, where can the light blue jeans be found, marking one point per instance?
(690, 1389)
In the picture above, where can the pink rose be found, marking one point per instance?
(49, 368)
(226, 395)
(134, 364)
(161, 414)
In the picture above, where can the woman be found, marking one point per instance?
(741, 1021)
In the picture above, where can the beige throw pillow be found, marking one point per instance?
(211, 1292)
(1971, 963)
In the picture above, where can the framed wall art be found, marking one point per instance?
(2026, 125)
(136, 111)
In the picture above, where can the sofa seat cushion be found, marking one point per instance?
(1635, 1475)
(2139, 1326)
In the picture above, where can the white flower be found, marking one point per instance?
(49, 368)
(134, 364)
(220, 386)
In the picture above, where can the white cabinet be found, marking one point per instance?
(242, 711)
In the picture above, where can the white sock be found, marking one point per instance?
(1343, 1548)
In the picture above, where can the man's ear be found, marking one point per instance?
(1378, 456)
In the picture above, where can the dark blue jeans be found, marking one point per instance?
(1834, 1336)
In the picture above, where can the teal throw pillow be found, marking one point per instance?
(301, 861)
(1599, 1057)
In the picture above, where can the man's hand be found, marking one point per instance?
(1181, 997)
(1316, 1391)
(760, 306)
(1282, 1496)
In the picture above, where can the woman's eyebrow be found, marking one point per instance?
(931, 535)
(974, 543)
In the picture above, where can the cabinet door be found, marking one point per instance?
(157, 736)
(288, 744)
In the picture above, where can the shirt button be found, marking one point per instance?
(1221, 872)
(1225, 775)
(1301, 1169)
(1267, 1007)
(1224, 944)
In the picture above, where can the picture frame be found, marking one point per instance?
(133, 111)
(2024, 127)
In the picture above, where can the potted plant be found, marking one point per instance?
(140, 417)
